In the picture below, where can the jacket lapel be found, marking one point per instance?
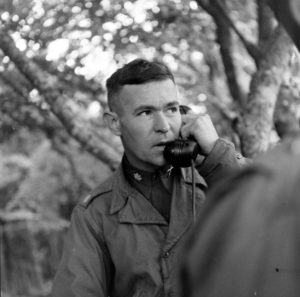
(132, 207)
(182, 206)
(139, 210)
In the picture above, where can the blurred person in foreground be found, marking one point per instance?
(125, 237)
(247, 239)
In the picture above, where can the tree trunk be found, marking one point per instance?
(286, 116)
(256, 123)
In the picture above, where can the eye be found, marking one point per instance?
(173, 109)
(145, 112)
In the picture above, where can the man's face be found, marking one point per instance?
(149, 117)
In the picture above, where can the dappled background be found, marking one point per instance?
(229, 57)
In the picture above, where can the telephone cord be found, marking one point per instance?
(193, 190)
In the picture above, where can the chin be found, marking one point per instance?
(160, 162)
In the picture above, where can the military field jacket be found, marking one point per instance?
(119, 245)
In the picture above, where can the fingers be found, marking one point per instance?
(191, 116)
(201, 128)
(189, 124)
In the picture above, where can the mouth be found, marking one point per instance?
(162, 144)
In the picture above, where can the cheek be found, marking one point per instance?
(134, 133)
(140, 126)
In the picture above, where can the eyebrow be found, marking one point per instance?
(152, 107)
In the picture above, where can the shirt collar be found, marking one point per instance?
(135, 175)
(122, 189)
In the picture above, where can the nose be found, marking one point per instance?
(161, 123)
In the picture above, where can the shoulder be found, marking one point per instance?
(102, 191)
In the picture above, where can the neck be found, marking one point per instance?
(147, 170)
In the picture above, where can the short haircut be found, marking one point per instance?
(136, 72)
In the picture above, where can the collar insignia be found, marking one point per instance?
(169, 171)
(137, 176)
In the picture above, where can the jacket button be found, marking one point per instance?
(166, 254)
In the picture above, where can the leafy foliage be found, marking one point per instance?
(229, 57)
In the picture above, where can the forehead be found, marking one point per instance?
(154, 93)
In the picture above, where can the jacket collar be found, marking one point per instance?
(121, 190)
(187, 177)
(132, 207)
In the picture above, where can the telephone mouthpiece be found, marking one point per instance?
(180, 153)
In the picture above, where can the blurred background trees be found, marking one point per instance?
(229, 57)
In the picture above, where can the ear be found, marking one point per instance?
(111, 119)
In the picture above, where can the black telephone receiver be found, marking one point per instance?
(181, 152)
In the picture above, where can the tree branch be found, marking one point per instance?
(217, 10)
(6, 79)
(224, 37)
(62, 106)
(265, 19)
(17, 215)
(70, 79)
(251, 48)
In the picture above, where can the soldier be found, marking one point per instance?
(125, 238)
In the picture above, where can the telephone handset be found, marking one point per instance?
(181, 152)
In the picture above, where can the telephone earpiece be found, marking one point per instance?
(181, 152)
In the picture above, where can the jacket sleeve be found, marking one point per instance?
(222, 160)
(85, 266)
